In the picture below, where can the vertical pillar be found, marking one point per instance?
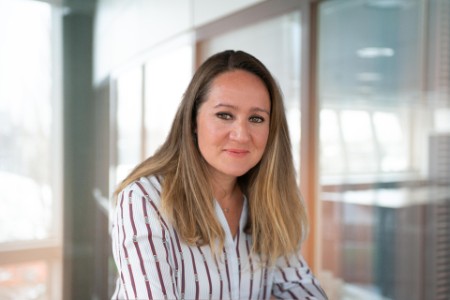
(78, 203)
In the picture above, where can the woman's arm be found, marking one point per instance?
(141, 248)
(293, 279)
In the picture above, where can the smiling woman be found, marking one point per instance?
(219, 199)
(233, 124)
(232, 131)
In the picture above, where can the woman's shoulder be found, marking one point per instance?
(149, 187)
(140, 202)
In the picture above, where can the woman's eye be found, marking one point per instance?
(224, 116)
(256, 119)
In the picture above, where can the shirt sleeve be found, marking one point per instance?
(140, 246)
(293, 279)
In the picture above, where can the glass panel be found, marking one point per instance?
(391, 138)
(28, 143)
(384, 149)
(332, 161)
(358, 141)
(276, 42)
(24, 281)
(164, 89)
(129, 121)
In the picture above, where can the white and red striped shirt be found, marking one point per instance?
(154, 263)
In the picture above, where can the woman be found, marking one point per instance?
(216, 212)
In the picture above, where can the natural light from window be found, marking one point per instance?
(26, 206)
(30, 152)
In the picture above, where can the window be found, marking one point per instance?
(147, 95)
(129, 121)
(166, 78)
(30, 152)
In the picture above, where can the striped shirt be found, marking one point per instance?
(154, 263)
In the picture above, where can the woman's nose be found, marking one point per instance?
(240, 131)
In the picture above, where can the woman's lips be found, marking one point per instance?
(237, 152)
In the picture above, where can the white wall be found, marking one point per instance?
(205, 11)
(125, 29)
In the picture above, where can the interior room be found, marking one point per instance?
(89, 88)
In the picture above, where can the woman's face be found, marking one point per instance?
(233, 123)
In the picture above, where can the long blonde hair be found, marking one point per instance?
(277, 218)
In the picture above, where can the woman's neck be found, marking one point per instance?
(227, 192)
(229, 196)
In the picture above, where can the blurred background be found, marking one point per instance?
(89, 88)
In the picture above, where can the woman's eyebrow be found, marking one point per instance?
(225, 105)
(253, 109)
(258, 109)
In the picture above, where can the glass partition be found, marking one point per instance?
(384, 149)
